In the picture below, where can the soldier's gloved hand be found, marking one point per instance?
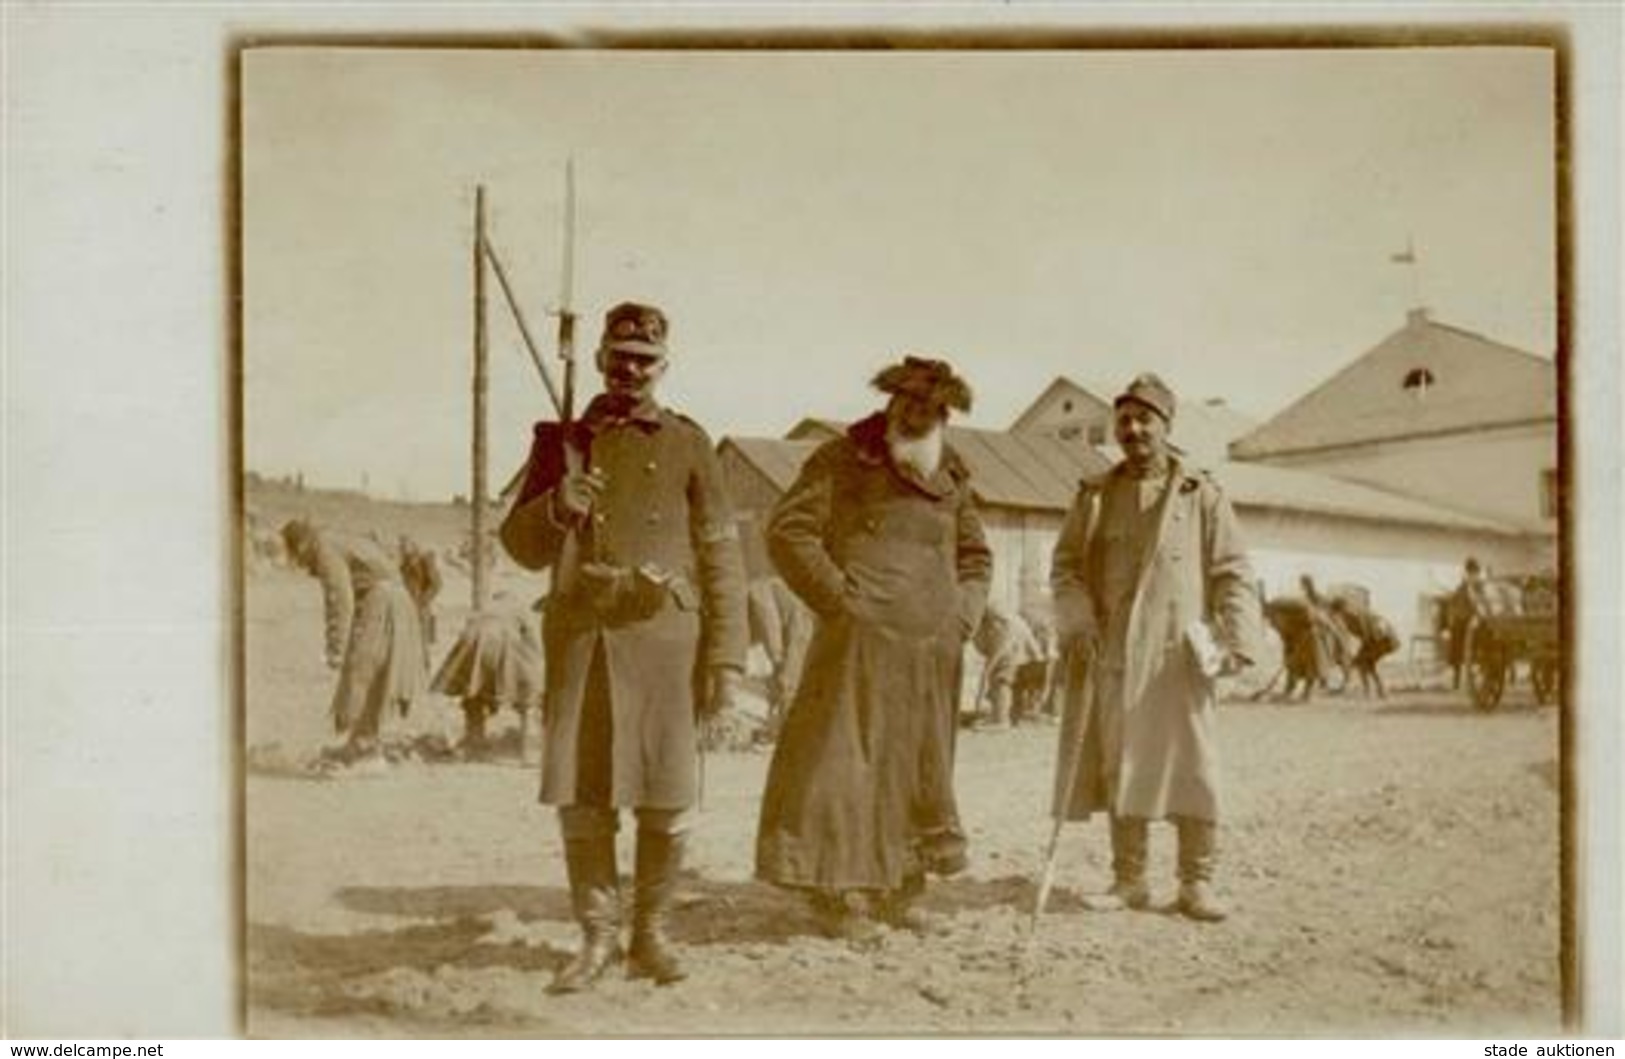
(721, 692)
(576, 494)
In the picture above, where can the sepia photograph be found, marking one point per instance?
(957, 541)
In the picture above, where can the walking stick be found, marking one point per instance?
(1078, 656)
(699, 754)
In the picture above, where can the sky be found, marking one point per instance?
(1226, 218)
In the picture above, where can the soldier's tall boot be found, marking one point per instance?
(595, 897)
(1198, 855)
(1130, 838)
(659, 859)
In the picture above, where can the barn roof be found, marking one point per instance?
(1007, 470)
(1471, 383)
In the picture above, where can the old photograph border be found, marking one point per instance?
(897, 40)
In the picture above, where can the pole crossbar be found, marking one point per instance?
(524, 328)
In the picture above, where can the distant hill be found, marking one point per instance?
(270, 503)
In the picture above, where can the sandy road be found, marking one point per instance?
(1394, 870)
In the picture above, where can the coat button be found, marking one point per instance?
(653, 519)
(649, 468)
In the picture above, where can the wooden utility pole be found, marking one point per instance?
(481, 386)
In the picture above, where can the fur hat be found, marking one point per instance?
(933, 380)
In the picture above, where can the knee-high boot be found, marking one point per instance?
(1198, 856)
(595, 897)
(1128, 890)
(659, 859)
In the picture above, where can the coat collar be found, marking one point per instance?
(868, 435)
(1180, 477)
(606, 410)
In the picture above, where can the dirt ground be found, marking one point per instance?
(1393, 871)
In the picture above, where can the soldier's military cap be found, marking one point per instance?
(634, 328)
(1151, 391)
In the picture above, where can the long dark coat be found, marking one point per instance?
(372, 633)
(618, 710)
(896, 568)
(1143, 711)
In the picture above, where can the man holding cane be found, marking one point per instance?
(1154, 601)
(643, 626)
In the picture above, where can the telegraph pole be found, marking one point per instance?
(481, 387)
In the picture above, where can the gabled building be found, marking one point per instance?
(1069, 410)
(1436, 413)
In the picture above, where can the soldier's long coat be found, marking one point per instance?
(618, 709)
(896, 568)
(372, 633)
(1145, 707)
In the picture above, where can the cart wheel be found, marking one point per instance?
(1543, 675)
(1487, 667)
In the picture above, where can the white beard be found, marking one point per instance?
(923, 454)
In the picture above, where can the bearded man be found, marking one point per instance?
(879, 537)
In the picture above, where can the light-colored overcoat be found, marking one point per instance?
(1138, 735)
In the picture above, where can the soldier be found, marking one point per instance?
(644, 625)
(879, 536)
(372, 631)
(1007, 647)
(1375, 637)
(1466, 602)
(496, 662)
(782, 625)
(1154, 599)
(421, 573)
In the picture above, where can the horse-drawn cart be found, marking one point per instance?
(1512, 620)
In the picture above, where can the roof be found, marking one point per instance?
(1007, 470)
(814, 429)
(1474, 384)
(1309, 492)
(779, 460)
(1025, 470)
(1037, 472)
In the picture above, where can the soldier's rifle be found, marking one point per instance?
(569, 564)
(565, 312)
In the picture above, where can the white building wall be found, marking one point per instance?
(1400, 565)
(1022, 543)
(1493, 473)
